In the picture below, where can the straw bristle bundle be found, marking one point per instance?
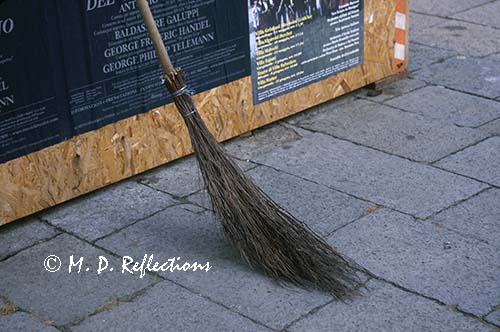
(266, 236)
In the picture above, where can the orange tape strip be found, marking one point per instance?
(401, 6)
(400, 36)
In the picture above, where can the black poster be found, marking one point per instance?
(30, 113)
(69, 67)
(120, 75)
(298, 42)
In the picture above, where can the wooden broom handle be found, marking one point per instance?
(150, 23)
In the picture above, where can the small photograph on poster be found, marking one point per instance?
(294, 43)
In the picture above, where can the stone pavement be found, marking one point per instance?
(406, 183)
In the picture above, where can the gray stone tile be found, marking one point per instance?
(464, 38)
(385, 308)
(383, 179)
(477, 76)
(179, 178)
(193, 208)
(478, 217)
(201, 198)
(20, 321)
(481, 161)
(98, 214)
(444, 8)
(420, 21)
(197, 237)
(63, 297)
(427, 259)
(492, 127)
(494, 57)
(323, 209)
(260, 141)
(22, 234)
(422, 56)
(340, 102)
(494, 317)
(449, 106)
(396, 89)
(486, 14)
(245, 165)
(167, 307)
(394, 131)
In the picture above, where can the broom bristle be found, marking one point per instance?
(266, 236)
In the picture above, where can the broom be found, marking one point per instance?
(266, 236)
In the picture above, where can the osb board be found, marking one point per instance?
(134, 145)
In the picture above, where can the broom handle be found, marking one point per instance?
(150, 23)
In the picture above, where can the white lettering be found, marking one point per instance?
(6, 26)
(94, 4)
(102, 260)
(78, 263)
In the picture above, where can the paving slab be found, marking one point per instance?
(261, 141)
(381, 178)
(422, 56)
(492, 127)
(3, 303)
(494, 317)
(22, 234)
(193, 208)
(494, 57)
(20, 321)
(444, 8)
(422, 21)
(63, 297)
(180, 178)
(486, 14)
(481, 161)
(98, 214)
(405, 134)
(396, 89)
(475, 76)
(340, 102)
(465, 38)
(477, 217)
(167, 307)
(433, 261)
(197, 237)
(245, 165)
(449, 106)
(386, 308)
(201, 198)
(322, 208)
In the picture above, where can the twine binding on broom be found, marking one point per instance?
(183, 91)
